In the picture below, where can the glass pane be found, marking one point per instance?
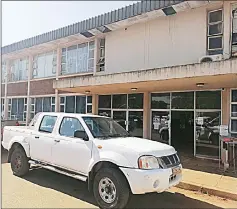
(234, 96)
(91, 45)
(70, 104)
(89, 108)
(215, 42)
(53, 100)
(120, 118)
(105, 101)
(215, 29)
(80, 104)
(69, 126)
(53, 108)
(91, 65)
(89, 99)
(215, 16)
(62, 108)
(207, 133)
(208, 100)
(120, 101)
(72, 60)
(38, 105)
(160, 126)
(106, 113)
(82, 58)
(234, 125)
(62, 100)
(49, 65)
(234, 110)
(135, 101)
(160, 101)
(39, 71)
(47, 104)
(182, 100)
(135, 123)
(20, 112)
(47, 123)
(14, 109)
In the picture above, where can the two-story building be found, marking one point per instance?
(165, 70)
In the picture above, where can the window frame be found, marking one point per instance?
(62, 122)
(16, 67)
(42, 131)
(64, 56)
(9, 113)
(215, 35)
(232, 117)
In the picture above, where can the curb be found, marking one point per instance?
(209, 191)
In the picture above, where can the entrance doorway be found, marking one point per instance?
(182, 134)
(132, 121)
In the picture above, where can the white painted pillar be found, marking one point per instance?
(30, 72)
(227, 10)
(58, 73)
(6, 82)
(95, 101)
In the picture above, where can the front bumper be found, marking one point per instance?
(146, 181)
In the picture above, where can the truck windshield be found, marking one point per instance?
(102, 127)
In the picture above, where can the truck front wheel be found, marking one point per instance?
(110, 188)
(19, 162)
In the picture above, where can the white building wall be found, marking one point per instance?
(165, 41)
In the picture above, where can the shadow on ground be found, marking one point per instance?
(3, 156)
(79, 190)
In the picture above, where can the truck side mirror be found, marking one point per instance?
(81, 135)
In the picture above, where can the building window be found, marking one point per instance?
(4, 72)
(19, 70)
(215, 32)
(42, 104)
(76, 104)
(233, 122)
(2, 107)
(17, 109)
(78, 58)
(101, 63)
(45, 65)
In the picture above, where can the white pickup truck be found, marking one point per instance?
(96, 150)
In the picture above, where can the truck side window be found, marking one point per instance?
(69, 125)
(47, 123)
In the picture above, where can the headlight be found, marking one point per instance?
(148, 162)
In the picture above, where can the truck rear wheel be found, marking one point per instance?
(19, 162)
(110, 189)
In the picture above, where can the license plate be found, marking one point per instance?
(176, 170)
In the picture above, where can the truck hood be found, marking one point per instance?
(137, 145)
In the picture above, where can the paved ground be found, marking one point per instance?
(45, 189)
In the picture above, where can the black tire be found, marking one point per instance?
(120, 183)
(19, 162)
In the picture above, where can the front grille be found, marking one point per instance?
(169, 161)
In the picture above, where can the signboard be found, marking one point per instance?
(200, 121)
(224, 130)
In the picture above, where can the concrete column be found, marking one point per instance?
(6, 83)
(96, 54)
(226, 106)
(146, 115)
(227, 29)
(95, 100)
(58, 73)
(30, 71)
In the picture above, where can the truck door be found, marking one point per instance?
(43, 140)
(69, 152)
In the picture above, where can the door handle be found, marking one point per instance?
(36, 137)
(56, 140)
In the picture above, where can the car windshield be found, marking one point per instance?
(102, 127)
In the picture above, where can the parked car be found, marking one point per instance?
(94, 149)
(209, 131)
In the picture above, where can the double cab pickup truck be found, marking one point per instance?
(94, 149)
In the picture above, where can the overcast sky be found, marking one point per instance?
(24, 19)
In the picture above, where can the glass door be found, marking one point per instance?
(160, 126)
(135, 123)
(120, 117)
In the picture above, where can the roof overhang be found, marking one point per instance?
(213, 75)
